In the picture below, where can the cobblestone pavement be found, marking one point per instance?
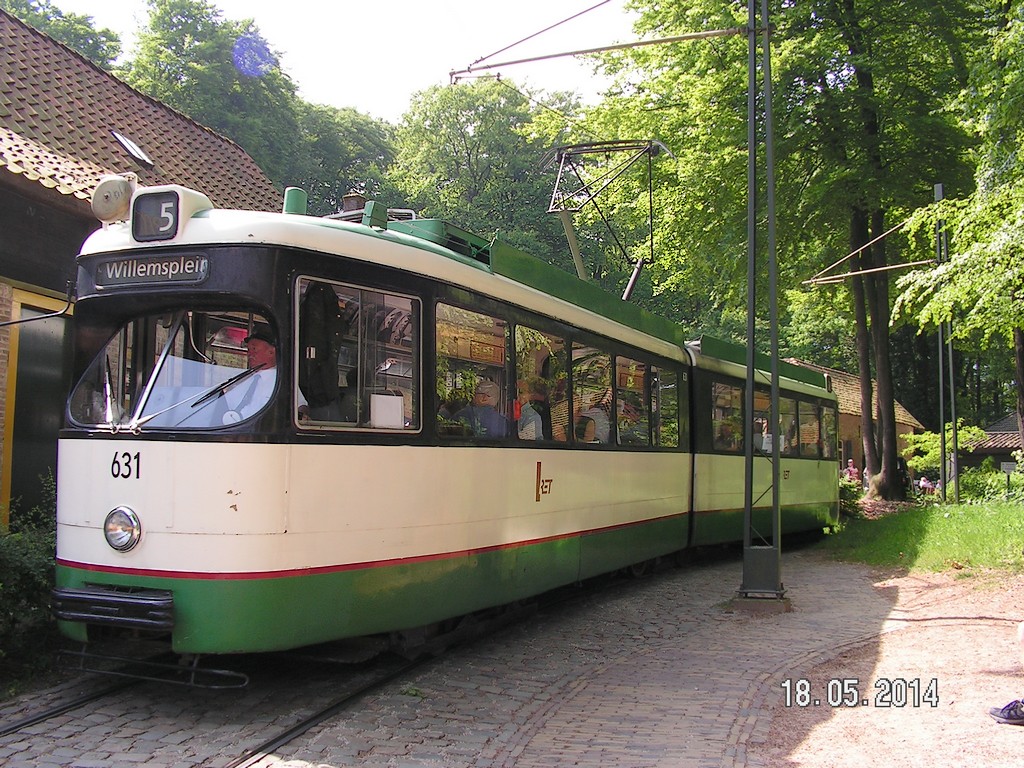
(662, 671)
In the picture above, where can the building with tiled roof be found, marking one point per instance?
(847, 389)
(1002, 439)
(65, 123)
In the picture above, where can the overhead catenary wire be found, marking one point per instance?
(455, 74)
(538, 34)
(580, 125)
(822, 278)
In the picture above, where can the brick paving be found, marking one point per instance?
(663, 671)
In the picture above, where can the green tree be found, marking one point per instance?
(222, 74)
(862, 134)
(818, 328)
(981, 286)
(343, 151)
(76, 31)
(471, 153)
(924, 452)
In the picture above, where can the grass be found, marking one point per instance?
(936, 537)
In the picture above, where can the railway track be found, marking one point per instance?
(391, 670)
(68, 705)
(291, 693)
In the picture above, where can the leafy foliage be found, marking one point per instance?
(924, 452)
(221, 74)
(850, 494)
(983, 484)
(26, 578)
(76, 31)
(471, 154)
(980, 285)
(343, 151)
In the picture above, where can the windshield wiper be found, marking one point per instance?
(215, 391)
(224, 386)
(108, 393)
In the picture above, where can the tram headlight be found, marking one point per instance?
(122, 529)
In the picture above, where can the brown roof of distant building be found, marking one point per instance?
(847, 389)
(997, 442)
(1006, 424)
(1001, 437)
(58, 111)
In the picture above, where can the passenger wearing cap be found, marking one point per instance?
(482, 416)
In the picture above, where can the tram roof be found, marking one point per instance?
(444, 239)
(503, 259)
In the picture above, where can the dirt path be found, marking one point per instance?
(961, 633)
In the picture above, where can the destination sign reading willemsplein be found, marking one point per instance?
(193, 268)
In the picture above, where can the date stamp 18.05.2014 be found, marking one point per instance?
(849, 692)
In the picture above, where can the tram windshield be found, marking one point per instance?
(181, 370)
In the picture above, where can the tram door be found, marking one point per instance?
(43, 379)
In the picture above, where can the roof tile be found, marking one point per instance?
(57, 111)
(847, 389)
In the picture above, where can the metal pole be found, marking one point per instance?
(943, 245)
(942, 386)
(954, 463)
(761, 563)
(748, 399)
(773, 309)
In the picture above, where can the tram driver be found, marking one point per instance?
(251, 396)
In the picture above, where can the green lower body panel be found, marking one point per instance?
(234, 615)
(722, 526)
(609, 550)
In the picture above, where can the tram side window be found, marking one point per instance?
(727, 417)
(631, 406)
(810, 430)
(542, 378)
(591, 395)
(788, 426)
(358, 357)
(761, 421)
(473, 391)
(828, 432)
(667, 401)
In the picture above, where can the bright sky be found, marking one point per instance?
(374, 56)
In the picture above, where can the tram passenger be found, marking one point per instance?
(598, 413)
(482, 416)
(758, 434)
(532, 408)
(539, 403)
(559, 410)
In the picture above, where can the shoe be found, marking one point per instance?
(1011, 714)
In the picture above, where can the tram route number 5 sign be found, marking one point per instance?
(155, 217)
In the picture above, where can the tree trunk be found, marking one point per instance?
(870, 220)
(888, 483)
(1018, 358)
(858, 236)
